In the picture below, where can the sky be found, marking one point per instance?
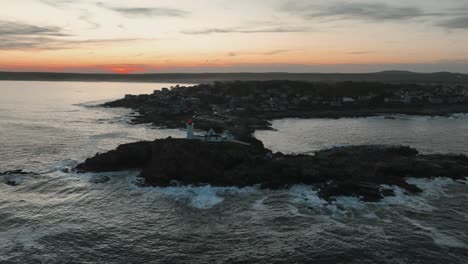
(159, 36)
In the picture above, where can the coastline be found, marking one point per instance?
(243, 107)
(357, 171)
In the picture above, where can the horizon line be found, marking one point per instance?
(240, 72)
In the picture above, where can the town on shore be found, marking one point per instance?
(244, 106)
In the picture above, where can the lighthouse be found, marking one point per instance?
(189, 129)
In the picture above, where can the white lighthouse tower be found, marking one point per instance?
(189, 129)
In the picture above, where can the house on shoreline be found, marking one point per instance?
(210, 135)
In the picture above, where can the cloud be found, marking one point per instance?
(146, 11)
(267, 53)
(274, 52)
(247, 30)
(455, 23)
(48, 43)
(14, 28)
(20, 36)
(361, 11)
(58, 3)
(86, 16)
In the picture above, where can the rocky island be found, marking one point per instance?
(361, 171)
(366, 172)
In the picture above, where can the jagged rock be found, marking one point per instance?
(352, 171)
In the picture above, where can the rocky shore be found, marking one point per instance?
(243, 107)
(360, 171)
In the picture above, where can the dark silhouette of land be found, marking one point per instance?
(356, 171)
(245, 106)
(386, 76)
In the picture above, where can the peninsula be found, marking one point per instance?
(244, 106)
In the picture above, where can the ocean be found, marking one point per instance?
(58, 217)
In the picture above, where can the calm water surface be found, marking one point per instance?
(57, 217)
(427, 134)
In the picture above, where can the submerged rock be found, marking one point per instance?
(11, 183)
(350, 171)
(16, 172)
(100, 179)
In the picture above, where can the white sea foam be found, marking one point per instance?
(306, 194)
(436, 187)
(432, 189)
(371, 215)
(343, 203)
(402, 198)
(460, 116)
(201, 197)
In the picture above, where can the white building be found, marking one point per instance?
(348, 100)
(210, 136)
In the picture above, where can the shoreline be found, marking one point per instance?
(240, 109)
(357, 171)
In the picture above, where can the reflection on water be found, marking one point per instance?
(42, 123)
(427, 134)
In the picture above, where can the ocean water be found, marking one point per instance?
(57, 217)
(427, 134)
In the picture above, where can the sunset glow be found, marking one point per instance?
(230, 36)
(125, 69)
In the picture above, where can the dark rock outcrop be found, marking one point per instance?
(350, 171)
(125, 157)
(16, 172)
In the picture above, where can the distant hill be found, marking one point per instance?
(385, 76)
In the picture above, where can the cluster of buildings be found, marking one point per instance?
(221, 105)
(209, 99)
(430, 95)
(168, 102)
